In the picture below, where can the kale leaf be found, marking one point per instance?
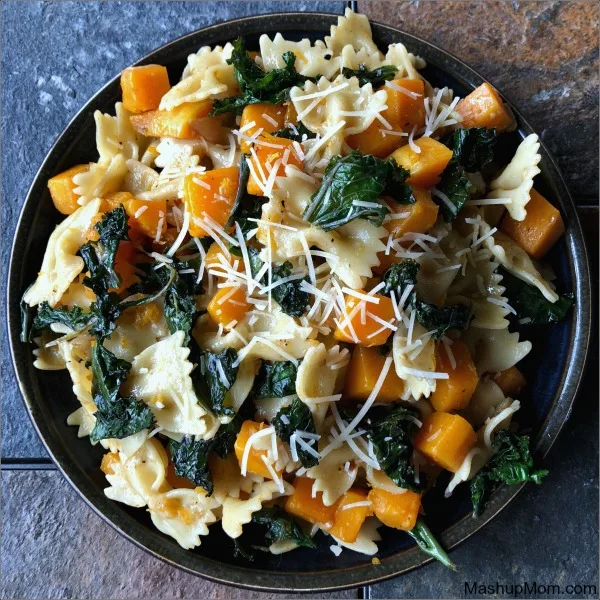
(376, 77)
(512, 463)
(392, 443)
(214, 378)
(245, 205)
(529, 302)
(351, 188)
(473, 148)
(190, 459)
(275, 380)
(280, 527)
(434, 318)
(456, 186)
(428, 544)
(74, 318)
(292, 418)
(289, 296)
(256, 85)
(295, 132)
(117, 416)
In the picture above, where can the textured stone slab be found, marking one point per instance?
(55, 547)
(55, 55)
(542, 55)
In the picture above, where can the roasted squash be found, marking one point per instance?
(302, 504)
(445, 439)
(483, 107)
(146, 216)
(541, 228)
(349, 519)
(61, 188)
(213, 193)
(511, 382)
(143, 87)
(370, 332)
(420, 216)
(425, 166)
(455, 392)
(255, 463)
(267, 117)
(399, 511)
(363, 372)
(228, 305)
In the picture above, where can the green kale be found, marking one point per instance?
(428, 544)
(298, 133)
(376, 77)
(190, 459)
(292, 418)
(25, 317)
(214, 378)
(289, 296)
(275, 380)
(392, 443)
(512, 463)
(351, 188)
(245, 205)
(434, 318)
(280, 527)
(530, 303)
(256, 85)
(117, 416)
(74, 318)
(473, 148)
(456, 186)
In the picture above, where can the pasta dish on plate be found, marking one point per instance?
(291, 293)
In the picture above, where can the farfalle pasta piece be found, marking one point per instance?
(516, 181)
(367, 536)
(332, 475)
(61, 264)
(351, 30)
(207, 75)
(115, 135)
(183, 514)
(100, 179)
(160, 377)
(237, 513)
(140, 178)
(407, 63)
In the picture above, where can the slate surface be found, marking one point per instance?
(54, 56)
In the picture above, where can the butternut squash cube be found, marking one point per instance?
(255, 463)
(213, 193)
(363, 372)
(349, 519)
(421, 216)
(483, 107)
(125, 266)
(399, 511)
(109, 461)
(215, 255)
(302, 504)
(61, 188)
(270, 151)
(369, 331)
(425, 166)
(228, 305)
(143, 87)
(146, 216)
(268, 117)
(182, 122)
(445, 439)
(177, 481)
(539, 230)
(455, 392)
(511, 382)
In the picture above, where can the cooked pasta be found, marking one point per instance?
(288, 294)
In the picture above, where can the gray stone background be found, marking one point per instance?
(57, 54)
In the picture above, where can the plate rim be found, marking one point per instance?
(366, 574)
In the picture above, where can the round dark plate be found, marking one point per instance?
(553, 376)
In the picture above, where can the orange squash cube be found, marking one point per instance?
(215, 255)
(376, 140)
(255, 463)
(125, 266)
(61, 188)
(445, 439)
(176, 481)
(269, 151)
(349, 519)
(213, 193)
(399, 511)
(145, 215)
(539, 230)
(143, 87)
(425, 166)
(228, 305)
(420, 216)
(369, 331)
(302, 504)
(182, 122)
(109, 461)
(268, 117)
(363, 372)
(483, 107)
(511, 382)
(455, 392)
